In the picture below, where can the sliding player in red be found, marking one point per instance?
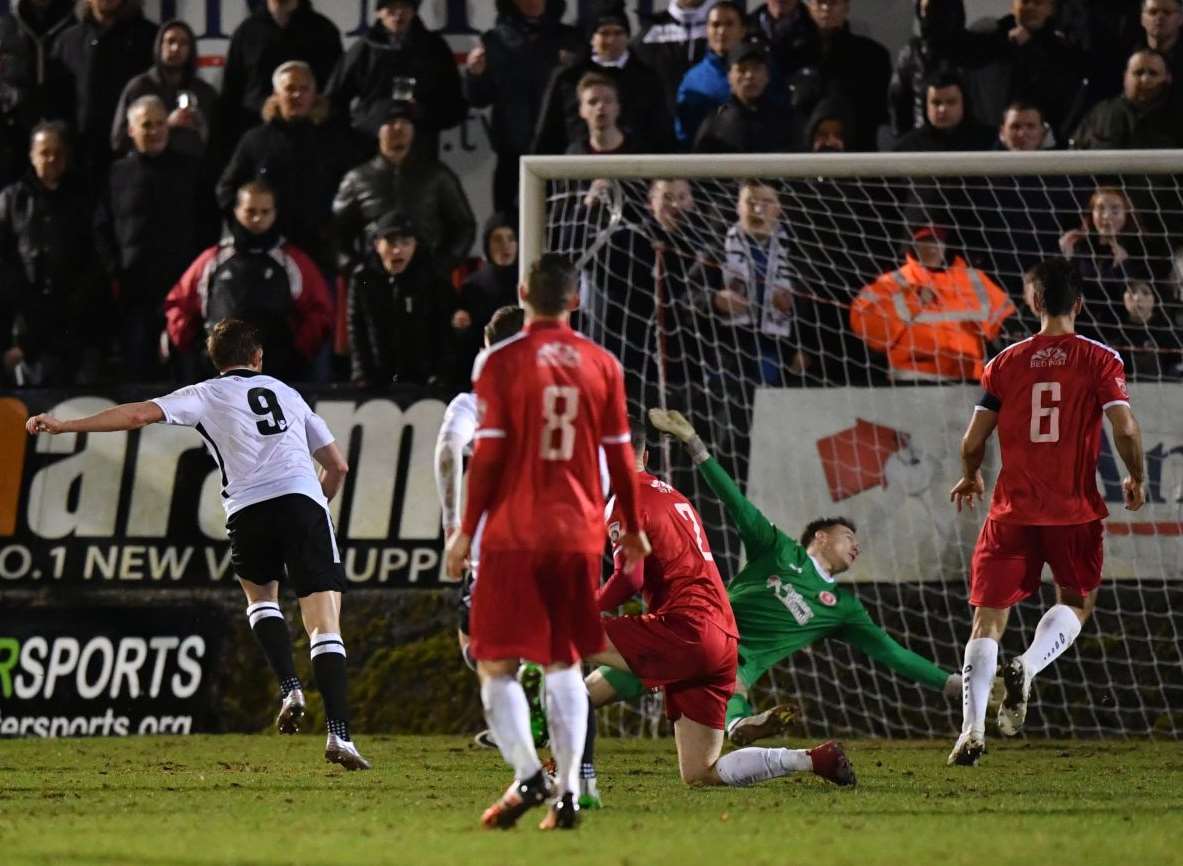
(687, 642)
(547, 399)
(1046, 395)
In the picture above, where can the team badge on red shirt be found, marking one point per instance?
(827, 598)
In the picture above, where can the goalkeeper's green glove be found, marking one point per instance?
(673, 422)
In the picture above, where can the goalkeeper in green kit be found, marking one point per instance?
(785, 598)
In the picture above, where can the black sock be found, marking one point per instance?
(587, 767)
(328, 664)
(271, 631)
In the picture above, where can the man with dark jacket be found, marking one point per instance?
(1144, 116)
(1162, 22)
(94, 59)
(674, 40)
(490, 287)
(301, 155)
(27, 33)
(152, 222)
(173, 77)
(947, 123)
(47, 265)
(1025, 57)
(509, 70)
(398, 53)
(276, 32)
(942, 29)
(780, 24)
(398, 310)
(751, 121)
(402, 178)
(834, 61)
(642, 102)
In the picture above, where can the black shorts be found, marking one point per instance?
(290, 536)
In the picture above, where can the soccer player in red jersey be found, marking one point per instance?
(687, 642)
(547, 400)
(1046, 396)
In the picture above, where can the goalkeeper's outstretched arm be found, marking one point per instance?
(864, 634)
(757, 532)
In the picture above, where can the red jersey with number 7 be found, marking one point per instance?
(680, 575)
(547, 400)
(1050, 394)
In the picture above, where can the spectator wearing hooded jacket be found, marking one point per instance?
(705, 85)
(276, 32)
(27, 34)
(509, 70)
(833, 61)
(942, 25)
(94, 59)
(47, 266)
(642, 102)
(301, 155)
(253, 274)
(931, 317)
(672, 41)
(401, 177)
(399, 309)
(174, 79)
(492, 286)
(398, 53)
(948, 125)
(751, 121)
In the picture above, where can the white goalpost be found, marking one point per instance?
(823, 319)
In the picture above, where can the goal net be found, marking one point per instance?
(823, 321)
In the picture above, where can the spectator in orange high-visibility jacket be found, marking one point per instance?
(931, 317)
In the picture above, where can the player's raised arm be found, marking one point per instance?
(971, 488)
(861, 632)
(756, 530)
(1127, 439)
(126, 416)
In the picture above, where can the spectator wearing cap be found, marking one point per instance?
(948, 126)
(256, 275)
(92, 62)
(1144, 117)
(399, 57)
(300, 154)
(154, 218)
(173, 77)
(705, 85)
(643, 108)
(27, 34)
(932, 318)
(399, 310)
(750, 121)
(403, 178)
(835, 61)
(674, 40)
(599, 109)
(276, 32)
(509, 70)
(490, 287)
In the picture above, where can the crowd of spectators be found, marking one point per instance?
(139, 205)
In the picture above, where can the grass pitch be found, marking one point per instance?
(194, 801)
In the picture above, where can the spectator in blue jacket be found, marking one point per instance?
(704, 87)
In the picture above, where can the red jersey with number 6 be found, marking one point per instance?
(1050, 394)
(680, 575)
(549, 398)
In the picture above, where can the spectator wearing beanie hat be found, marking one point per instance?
(403, 177)
(643, 109)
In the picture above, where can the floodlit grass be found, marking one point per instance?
(192, 801)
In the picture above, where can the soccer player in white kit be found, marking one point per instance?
(264, 438)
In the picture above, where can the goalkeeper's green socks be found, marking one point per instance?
(738, 707)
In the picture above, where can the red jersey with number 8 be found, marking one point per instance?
(555, 397)
(1050, 394)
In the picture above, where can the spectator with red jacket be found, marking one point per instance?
(253, 274)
